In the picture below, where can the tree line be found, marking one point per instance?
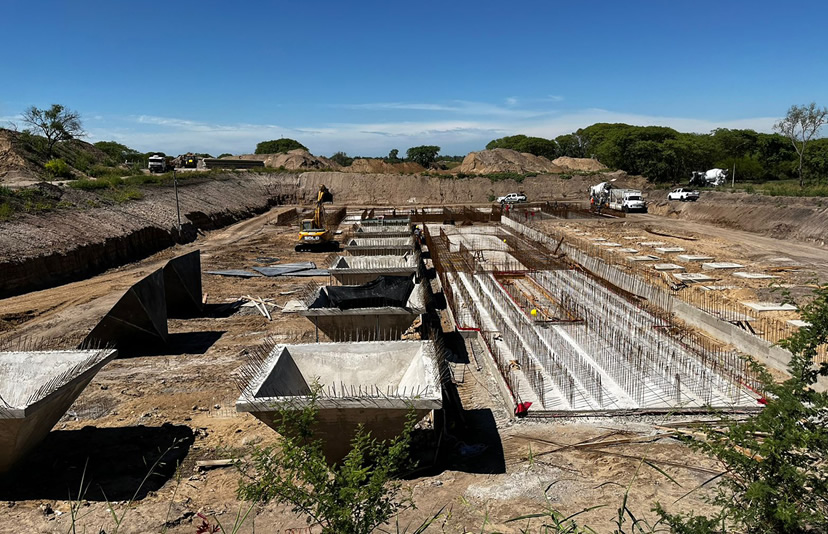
(666, 155)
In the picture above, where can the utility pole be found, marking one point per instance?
(177, 207)
(733, 178)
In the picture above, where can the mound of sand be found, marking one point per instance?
(579, 164)
(377, 166)
(293, 160)
(505, 160)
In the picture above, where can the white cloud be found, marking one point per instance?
(456, 136)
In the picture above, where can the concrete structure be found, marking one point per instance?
(374, 384)
(36, 389)
(364, 323)
(401, 229)
(357, 270)
(669, 250)
(139, 315)
(379, 246)
(182, 285)
(694, 257)
(643, 257)
(754, 276)
(694, 277)
(770, 306)
(721, 265)
(667, 267)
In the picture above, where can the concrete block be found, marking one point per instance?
(609, 244)
(667, 267)
(769, 306)
(716, 288)
(693, 257)
(799, 323)
(36, 390)
(694, 277)
(669, 250)
(643, 257)
(373, 384)
(652, 243)
(754, 276)
(357, 270)
(182, 285)
(721, 265)
(598, 239)
(139, 315)
(626, 250)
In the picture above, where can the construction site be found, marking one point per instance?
(541, 342)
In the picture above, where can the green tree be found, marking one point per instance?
(279, 145)
(425, 155)
(342, 159)
(224, 155)
(355, 496)
(118, 153)
(532, 145)
(816, 161)
(393, 156)
(775, 479)
(570, 145)
(800, 125)
(56, 124)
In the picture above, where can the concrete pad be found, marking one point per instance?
(693, 257)
(669, 250)
(632, 237)
(140, 315)
(643, 257)
(373, 384)
(598, 239)
(609, 244)
(754, 276)
(626, 250)
(36, 390)
(799, 323)
(717, 288)
(769, 306)
(721, 265)
(652, 243)
(182, 285)
(667, 267)
(694, 277)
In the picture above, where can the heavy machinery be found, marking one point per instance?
(314, 235)
(599, 196)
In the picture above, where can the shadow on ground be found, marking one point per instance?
(177, 344)
(115, 464)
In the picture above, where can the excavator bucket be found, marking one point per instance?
(325, 196)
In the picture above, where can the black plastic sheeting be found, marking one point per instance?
(384, 291)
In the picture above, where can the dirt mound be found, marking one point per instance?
(505, 160)
(579, 164)
(22, 156)
(293, 160)
(377, 166)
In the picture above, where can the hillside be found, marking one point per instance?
(294, 160)
(23, 156)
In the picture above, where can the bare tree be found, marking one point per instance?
(800, 125)
(55, 124)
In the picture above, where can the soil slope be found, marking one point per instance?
(579, 164)
(294, 160)
(362, 165)
(505, 160)
(803, 219)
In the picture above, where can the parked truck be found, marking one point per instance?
(158, 163)
(627, 200)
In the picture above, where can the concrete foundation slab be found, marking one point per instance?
(609, 244)
(652, 243)
(692, 257)
(694, 277)
(721, 265)
(374, 384)
(717, 288)
(754, 276)
(669, 250)
(769, 306)
(36, 390)
(182, 285)
(643, 257)
(139, 315)
(627, 250)
(598, 239)
(667, 267)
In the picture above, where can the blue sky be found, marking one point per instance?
(366, 77)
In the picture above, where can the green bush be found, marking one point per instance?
(90, 185)
(57, 168)
(6, 211)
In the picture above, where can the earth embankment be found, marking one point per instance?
(48, 249)
(801, 219)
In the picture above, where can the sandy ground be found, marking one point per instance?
(178, 406)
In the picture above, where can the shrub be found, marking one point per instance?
(57, 168)
(6, 211)
(89, 185)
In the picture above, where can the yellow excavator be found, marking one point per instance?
(314, 235)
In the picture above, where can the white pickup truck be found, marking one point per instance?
(512, 198)
(684, 194)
